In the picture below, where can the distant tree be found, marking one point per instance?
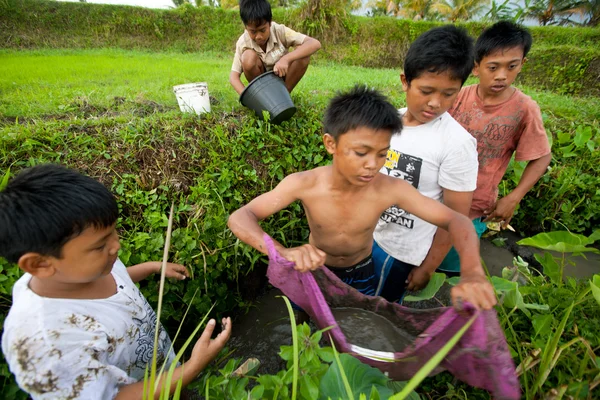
(413, 9)
(592, 12)
(501, 12)
(460, 10)
(557, 12)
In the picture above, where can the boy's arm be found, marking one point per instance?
(140, 272)
(203, 353)
(419, 277)
(307, 48)
(474, 286)
(236, 82)
(504, 208)
(244, 222)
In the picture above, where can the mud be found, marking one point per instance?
(369, 330)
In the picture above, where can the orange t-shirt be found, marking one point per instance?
(500, 130)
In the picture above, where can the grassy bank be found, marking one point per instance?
(565, 58)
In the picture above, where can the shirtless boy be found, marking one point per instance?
(343, 202)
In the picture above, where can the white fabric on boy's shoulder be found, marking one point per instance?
(434, 156)
(280, 40)
(81, 349)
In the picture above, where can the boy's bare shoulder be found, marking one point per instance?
(386, 182)
(307, 178)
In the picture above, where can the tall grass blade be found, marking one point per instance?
(342, 372)
(433, 362)
(549, 352)
(153, 381)
(296, 367)
(5, 180)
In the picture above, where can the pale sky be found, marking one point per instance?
(142, 3)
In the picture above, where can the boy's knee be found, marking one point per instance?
(302, 63)
(250, 60)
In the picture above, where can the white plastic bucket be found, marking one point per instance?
(193, 97)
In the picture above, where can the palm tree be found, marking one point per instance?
(557, 12)
(460, 10)
(500, 12)
(412, 9)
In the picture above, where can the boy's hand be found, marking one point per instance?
(281, 67)
(418, 278)
(502, 211)
(206, 349)
(176, 271)
(475, 289)
(307, 257)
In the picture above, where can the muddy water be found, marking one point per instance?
(369, 330)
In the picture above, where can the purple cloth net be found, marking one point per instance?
(481, 357)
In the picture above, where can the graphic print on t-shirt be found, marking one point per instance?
(407, 167)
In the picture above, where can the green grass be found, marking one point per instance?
(49, 82)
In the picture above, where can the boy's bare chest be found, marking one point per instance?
(343, 213)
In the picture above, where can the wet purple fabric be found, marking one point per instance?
(481, 357)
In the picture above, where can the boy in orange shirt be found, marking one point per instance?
(503, 120)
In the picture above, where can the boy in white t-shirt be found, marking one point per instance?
(435, 154)
(78, 327)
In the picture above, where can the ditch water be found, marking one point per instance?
(369, 330)
(266, 327)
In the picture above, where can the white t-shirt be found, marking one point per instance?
(432, 157)
(81, 349)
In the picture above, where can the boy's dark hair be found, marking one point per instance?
(255, 11)
(500, 36)
(360, 107)
(438, 50)
(45, 206)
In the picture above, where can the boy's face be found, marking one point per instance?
(359, 154)
(259, 32)
(428, 96)
(498, 70)
(87, 257)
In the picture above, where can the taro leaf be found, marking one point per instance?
(513, 297)
(434, 285)
(551, 267)
(542, 323)
(361, 378)
(595, 286)
(561, 241)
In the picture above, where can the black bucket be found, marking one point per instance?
(267, 92)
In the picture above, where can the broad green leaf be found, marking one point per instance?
(361, 379)
(582, 135)
(309, 388)
(503, 285)
(561, 241)
(434, 285)
(551, 267)
(542, 323)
